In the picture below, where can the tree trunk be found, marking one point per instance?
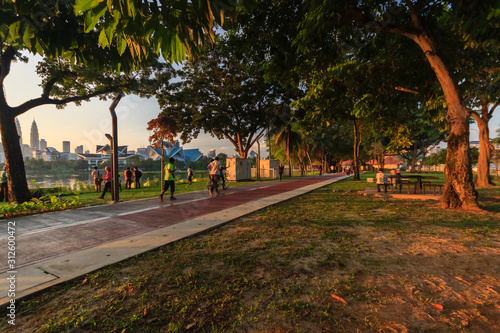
(413, 158)
(459, 189)
(16, 175)
(357, 144)
(485, 148)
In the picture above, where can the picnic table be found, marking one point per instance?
(405, 180)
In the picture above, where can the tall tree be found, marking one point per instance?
(113, 37)
(222, 96)
(431, 25)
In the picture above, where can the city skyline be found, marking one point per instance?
(87, 124)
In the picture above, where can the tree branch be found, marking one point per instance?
(45, 100)
(490, 113)
(407, 90)
(258, 137)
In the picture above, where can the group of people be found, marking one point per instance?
(130, 174)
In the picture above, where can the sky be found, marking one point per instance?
(87, 124)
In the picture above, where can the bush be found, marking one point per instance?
(45, 203)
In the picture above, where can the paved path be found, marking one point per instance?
(54, 247)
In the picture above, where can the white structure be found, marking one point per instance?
(103, 153)
(175, 151)
(238, 169)
(268, 169)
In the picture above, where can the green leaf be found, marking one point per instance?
(14, 30)
(93, 16)
(27, 36)
(103, 40)
(122, 44)
(84, 5)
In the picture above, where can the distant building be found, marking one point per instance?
(143, 152)
(51, 154)
(211, 153)
(103, 153)
(43, 144)
(34, 138)
(79, 149)
(93, 159)
(66, 146)
(175, 151)
(192, 155)
(26, 150)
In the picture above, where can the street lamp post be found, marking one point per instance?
(114, 149)
(258, 161)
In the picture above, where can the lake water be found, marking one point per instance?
(69, 180)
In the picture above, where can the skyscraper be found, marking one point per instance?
(43, 144)
(35, 140)
(18, 127)
(66, 146)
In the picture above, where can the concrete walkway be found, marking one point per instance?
(55, 247)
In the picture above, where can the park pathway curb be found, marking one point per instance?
(47, 273)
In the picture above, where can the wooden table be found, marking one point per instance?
(408, 177)
(418, 178)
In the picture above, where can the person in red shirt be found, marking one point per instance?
(107, 182)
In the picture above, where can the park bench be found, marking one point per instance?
(409, 185)
(385, 186)
(434, 186)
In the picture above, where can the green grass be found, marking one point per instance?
(277, 269)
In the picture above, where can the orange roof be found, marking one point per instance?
(387, 161)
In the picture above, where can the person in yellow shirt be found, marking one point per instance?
(169, 179)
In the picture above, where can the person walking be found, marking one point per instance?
(107, 182)
(190, 174)
(4, 189)
(281, 168)
(96, 174)
(320, 169)
(169, 179)
(137, 176)
(128, 178)
(214, 173)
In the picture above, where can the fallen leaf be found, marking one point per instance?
(190, 325)
(259, 276)
(145, 311)
(339, 298)
(84, 281)
(438, 307)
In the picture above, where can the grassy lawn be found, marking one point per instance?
(332, 260)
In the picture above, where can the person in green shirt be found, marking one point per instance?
(3, 185)
(169, 179)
